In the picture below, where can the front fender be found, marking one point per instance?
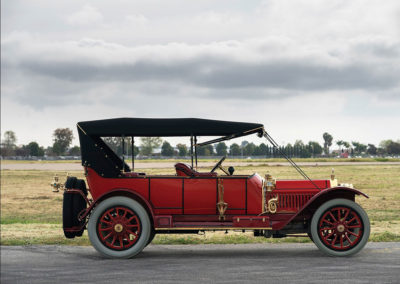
(325, 195)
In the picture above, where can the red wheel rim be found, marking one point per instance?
(119, 228)
(340, 228)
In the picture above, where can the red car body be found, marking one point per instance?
(189, 201)
(176, 202)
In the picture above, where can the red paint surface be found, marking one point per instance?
(200, 196)
(193, 200)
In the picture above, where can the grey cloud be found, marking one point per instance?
(73, 73)
(212, 72)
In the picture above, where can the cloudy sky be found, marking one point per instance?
(299, 67)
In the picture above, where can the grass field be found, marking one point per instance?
(31, 213)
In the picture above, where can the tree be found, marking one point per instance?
(389, 147)
(49, 151)
(207, 150)
(340, 144)
(327, 142)
(358, 147)
(298, 143)
(298, 148)
(289, 150)
(62, 139)
(315, 148)
(75, 151)
(393, 148)
(35, 150)
(263, 149)
(234, 150)
(221, 149)
(249, 149)
(167, 149)
(384, 143)
(10, 139)
(136, 151)
(149, 144)
(114, 143)
(372, 150)
(22, 151)
(182, 148)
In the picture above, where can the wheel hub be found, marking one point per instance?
(118, 228)
(340, 228)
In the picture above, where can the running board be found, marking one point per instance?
(239, 223)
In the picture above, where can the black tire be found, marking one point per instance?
(67, 215)
(73, 204)
(348, 243)
(79, 204)
(126, 203)
(70, 182)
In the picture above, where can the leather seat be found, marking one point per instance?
(183, 169)
(133, 174)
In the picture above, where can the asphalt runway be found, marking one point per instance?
(256, 263)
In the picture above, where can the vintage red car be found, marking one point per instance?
(127, 208)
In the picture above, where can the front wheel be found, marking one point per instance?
(340, 227)
(119, 227)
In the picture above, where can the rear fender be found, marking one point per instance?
(128, 193)
(325, 195)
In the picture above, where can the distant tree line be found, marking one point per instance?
(62, 139)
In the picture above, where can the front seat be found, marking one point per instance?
(185, 170)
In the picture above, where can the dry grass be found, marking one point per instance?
(31, 213)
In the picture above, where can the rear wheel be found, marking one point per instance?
(119, 227)
(340, 227)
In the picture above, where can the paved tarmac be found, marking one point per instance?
(256, 263)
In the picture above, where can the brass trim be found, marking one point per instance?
(118, 228)
(213, 228)
(340, 228)
(56, 184)
(333, 180)
(270, 182)
(253, 129)
(263, 201)
(221, 205)
(273, 204)
(81, 128)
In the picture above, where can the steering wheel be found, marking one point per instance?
(218, 165)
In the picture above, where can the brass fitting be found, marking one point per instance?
(334, 181)
(56, 184)
(270, 182)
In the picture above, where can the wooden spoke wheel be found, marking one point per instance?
(119, 227)
(340, 227)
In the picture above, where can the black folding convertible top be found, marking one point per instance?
(97, 155)
(166, 127)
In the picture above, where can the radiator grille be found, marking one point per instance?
(292, 202)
